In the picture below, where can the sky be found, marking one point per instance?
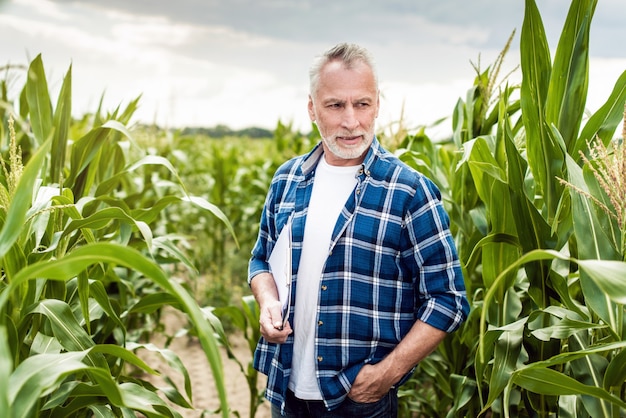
(244, 63)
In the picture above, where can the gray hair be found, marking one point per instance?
(348, 54)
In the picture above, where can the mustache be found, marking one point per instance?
(349, 135)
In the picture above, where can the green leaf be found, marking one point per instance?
(39, 103)
(566, 324)
(99, 293)
(104, 217)
(505, 358)
(536, 67)
(166, 243)
(172, 359)
(84, 151)
(152, 302)
(532, 229)
(16, 213)
(61, 123)
(565, 104)
(592, 243)
(588, 370)
(101, 411)
(124, 354)
(44, 344)
(39, 375)
(173, 394)
(464, 389)
(205, 204)
(6, 367)
(615, 374)
(141, 399)
(79, 259)
(604, 122)
(66, 328)
(569, 356)
(609, 275)
(550, 382)
(501, 281)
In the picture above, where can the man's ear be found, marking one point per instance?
(311, 109)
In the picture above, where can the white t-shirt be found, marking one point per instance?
(331, 188)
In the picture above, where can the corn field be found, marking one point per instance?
(104, 223)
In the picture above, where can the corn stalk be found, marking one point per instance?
(83, 273)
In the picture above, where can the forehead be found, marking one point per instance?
(342, 82)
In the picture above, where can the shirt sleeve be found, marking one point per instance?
(440, 287)
(260, 252)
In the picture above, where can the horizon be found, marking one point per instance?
(245, 63)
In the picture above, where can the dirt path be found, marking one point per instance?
(204, 393)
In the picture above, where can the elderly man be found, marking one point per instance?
(376, 280)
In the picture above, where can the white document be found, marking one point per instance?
(280, 266)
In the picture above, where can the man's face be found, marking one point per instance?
(345, 107)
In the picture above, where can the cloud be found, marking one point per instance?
(245, 62)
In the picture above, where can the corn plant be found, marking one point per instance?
(82, 269)
(246, 320)
(543, 263)
(234, 174)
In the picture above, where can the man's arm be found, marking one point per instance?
(375, 380)
(270, 319)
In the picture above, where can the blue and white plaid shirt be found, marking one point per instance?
(391, 261)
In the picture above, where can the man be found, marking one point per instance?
(377, 283)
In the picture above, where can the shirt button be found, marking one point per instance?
(320, 359)
(320, 323)
(324, 287)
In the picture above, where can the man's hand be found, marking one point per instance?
(375, 380)
(271, 316)
(370, 385)
(271, 323)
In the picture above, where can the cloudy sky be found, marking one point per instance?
(245, 62)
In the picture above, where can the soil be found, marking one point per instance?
(205, 399)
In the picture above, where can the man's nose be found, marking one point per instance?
(350, 120)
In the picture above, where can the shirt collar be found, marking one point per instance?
(311, 160)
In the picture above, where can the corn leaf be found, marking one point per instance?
(506, 358)
(551, 382)
(66, 328)
(100, 295)
(138, 398)
(79, 259)
(594, 246)
(85, 149)
(604, 122)
(154, 301)
(39, 104)
(61, 122)
(615, 373)
(172, 359)
(567, 93)
(536, 66)
(104, 217)
(39, 375)
(609, 275)
(16, 213)
(6, 367)
(589, 370)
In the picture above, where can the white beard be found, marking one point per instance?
(347, 153)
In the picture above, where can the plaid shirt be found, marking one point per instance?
(391, 261)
